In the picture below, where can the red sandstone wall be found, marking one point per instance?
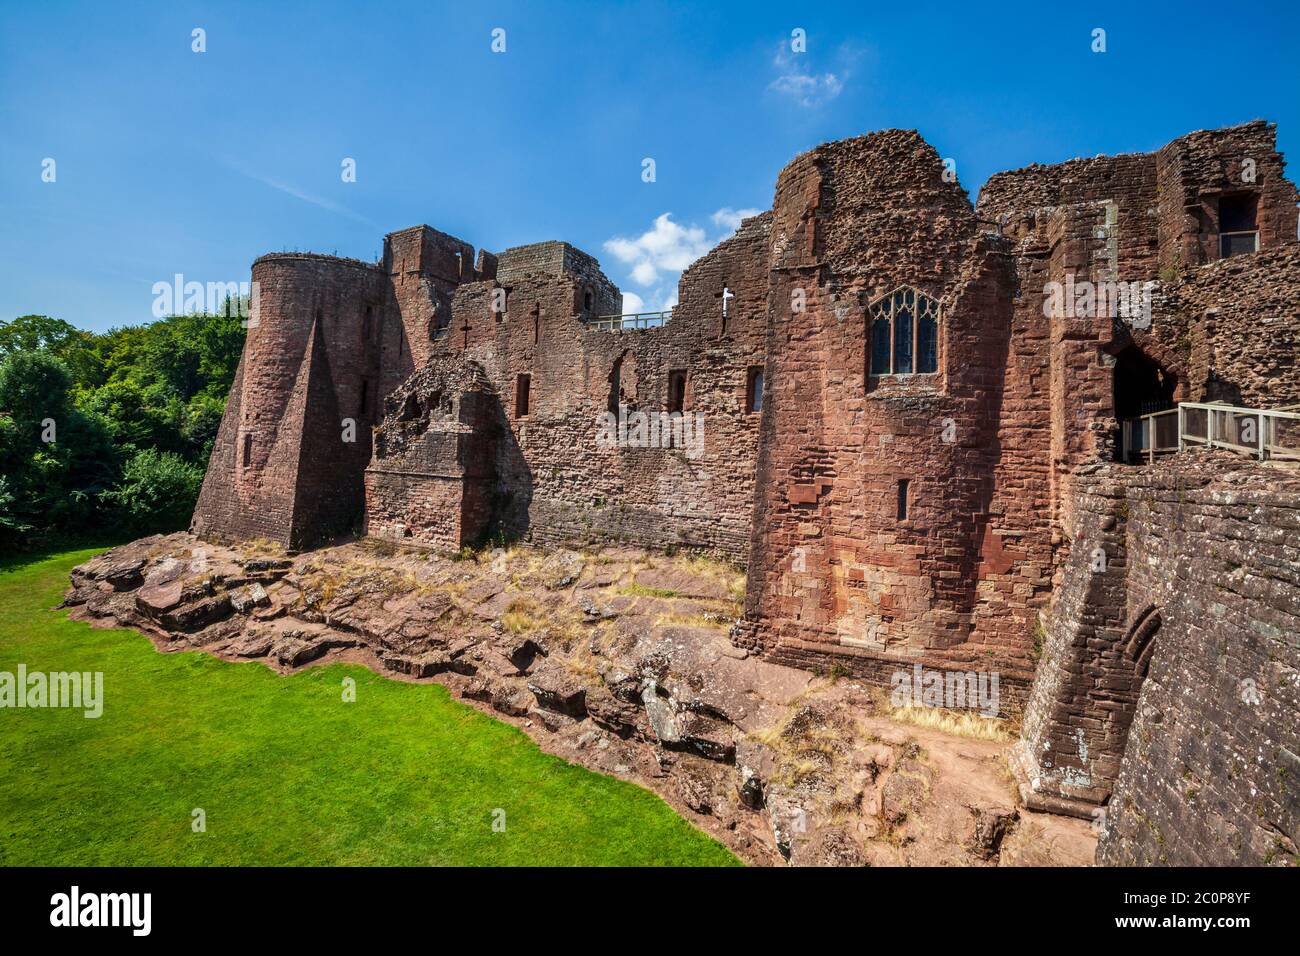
(1181, 729)
(431, 480)
(1198, 169)
(303, 371)
(1237, 321)
(558, 258)
(424, 267)
(833, 570)
(554, 483)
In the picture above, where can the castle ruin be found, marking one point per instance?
(909, 417)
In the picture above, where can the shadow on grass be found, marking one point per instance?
(46, 549)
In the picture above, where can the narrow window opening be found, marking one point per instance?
(1238, 232)
(365, 396)
(586, 301)
(523, 383)
(927, 344)
(248, 450)
(676, 390)
(903, 484)
(754, 390)
(615, 386)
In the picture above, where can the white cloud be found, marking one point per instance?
(665, 246)
(655, 259)
(730, 219)
(806, 88)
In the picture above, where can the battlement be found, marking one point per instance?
(552, 257)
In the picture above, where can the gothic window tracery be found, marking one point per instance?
(904, 333)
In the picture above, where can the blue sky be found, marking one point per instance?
(170, 161)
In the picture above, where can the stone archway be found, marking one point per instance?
(1139, 642)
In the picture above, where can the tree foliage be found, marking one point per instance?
(108, 431)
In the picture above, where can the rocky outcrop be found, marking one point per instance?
(779, 765)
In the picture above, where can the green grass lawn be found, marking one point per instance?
(285, 771)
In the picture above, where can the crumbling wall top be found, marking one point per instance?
(318, 257)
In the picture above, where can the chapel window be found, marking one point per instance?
(903, 334)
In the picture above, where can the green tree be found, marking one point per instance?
(72, 346)
(56, 459)
(156, 494)
(76, 407)
(203, 419)
(139, 416)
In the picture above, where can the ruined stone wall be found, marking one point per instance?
(281, 467)
(1152, 218)
(1086, 221)
(1125, 219)
(834, 570)
(1238, 321)
(1076, 721)
(989, 445)
(1211, 774)
(332, 338)
(1171, 675)
(1016, 550)
(1026, 199)
(597, 295)
(1166, 204)
(433, 474)
(424, 267)
(1197, 170)
(555, 483)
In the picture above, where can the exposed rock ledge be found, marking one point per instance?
(618, 661)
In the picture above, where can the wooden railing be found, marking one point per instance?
(1266, 434)
(631, 320)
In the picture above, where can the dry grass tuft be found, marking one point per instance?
(729, 575)
(814, 745)
(523, 617)
(583, 663)
(330, 580)
(260, 548)
(959, 723)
